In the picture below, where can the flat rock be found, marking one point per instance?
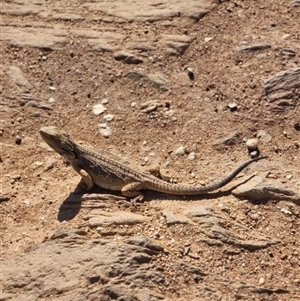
(146, 242)
(218, 229)
(149, 11)
(101, 45)
(178, 43)
(284, 80)
(55, 38)
(70, 266)
(158, 81)
(176, 218)
(199, 211)
(228, 140)
(140, 46)
(23, 8)
(43, 38)
(101, 41)
(67, 17)
(262, 189)
(250, 48)
(128, 58)
(17, 76)
(103, 218)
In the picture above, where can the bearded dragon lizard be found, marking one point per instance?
(97, 168)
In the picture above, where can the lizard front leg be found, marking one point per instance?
(132, 190)
(85, 177)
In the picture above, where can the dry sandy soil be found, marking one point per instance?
(166, 79)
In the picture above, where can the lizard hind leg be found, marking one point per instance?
(132, 190)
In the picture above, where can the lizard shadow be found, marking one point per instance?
(71, 206)
(73, 203)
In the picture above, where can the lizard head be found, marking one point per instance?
(59, 140)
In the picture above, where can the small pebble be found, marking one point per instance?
(252, 144)
(255, 216)
(36, 164)
(49, 165)
(285, 211)
(180, 151)
(51, 100)
(52, 88)
(150, 106)
(272, 176)
(104, 101)
(98, 109)
(232, 106)
(254, 154)
(191, 73)
(261, 281)
(297, 126)
(104, 130)
(108, 117)
(17, 177)
(18, 140)
(224, 208)
(192, 156)
(207, 39)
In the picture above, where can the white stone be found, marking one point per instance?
(285, 211)
(252, 144)
(192, 156)
(261, 281)
(180, 151)
(207, 39)
(99, 109)
(108, 117)
(104, 130)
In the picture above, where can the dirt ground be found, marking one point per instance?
(189, 112)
